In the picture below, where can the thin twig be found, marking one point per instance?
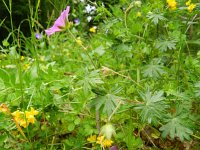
(114, 110)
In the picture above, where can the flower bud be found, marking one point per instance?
(138, 3)
(108, 130)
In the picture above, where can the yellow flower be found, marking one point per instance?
(93, 29)
(172, 4)
(191, 7)
(17, 114)
(78, 41)
(104, 142)
(100, 140)
(33, 111)
(92, 138)
(4, 108)
(26, 66)
(107, 143)
(30, 117)
(139, 14)
(22, 58)
(23, 123)
(188, 3)
(25, 118)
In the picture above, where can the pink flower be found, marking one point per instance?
(59, 23)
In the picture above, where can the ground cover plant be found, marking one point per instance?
(120, 75)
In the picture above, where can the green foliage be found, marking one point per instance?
(107, 102)
(153, 70)
(164, 45)
(153, 108)
(134, 80)
(176, 126)
(155, 18)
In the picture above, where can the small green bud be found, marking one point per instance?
(108, 130)
(138, 3)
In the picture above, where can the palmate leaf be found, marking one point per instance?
(155, 18)
(153, 70)
(153, 107)
(176, 127)
(89, 80)
(107, 102)
(164, 45)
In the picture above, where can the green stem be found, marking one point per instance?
(84, 49)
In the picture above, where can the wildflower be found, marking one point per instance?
(108, 130)
(92, 138)
(60, 23)
(33, 111)
(76, 21)
(4, 108)
(30, 117)
(188, 3)
(138, 3)
(106, 70)
(107, 143)
(78, 41)
(22, 58)
(24, 119)
(104, 142)
(172, 4)
(100, 140)
(114, 148)
(38, 36)
(191, 7)
(93, 29)
(90, 9)
(23, 123)
(16, 115)
(138, 14)
(26, 66)
(89, 18)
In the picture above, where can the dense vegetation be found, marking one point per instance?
(103, 75)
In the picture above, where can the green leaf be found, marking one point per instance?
(155, 18)
(77, 121)
(71, 127)
(164, 45)
(131, 141)
(89, 80)
(3, 137)
(153, 106)
(197, 89)
(153, 70)
(106, 102)
(175, 127)
(5, 43)
(99, 50)
(2, 85)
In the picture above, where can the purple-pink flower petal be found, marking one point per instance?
(59, 23)
(113, 148)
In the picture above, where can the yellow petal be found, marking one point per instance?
(92, 138)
